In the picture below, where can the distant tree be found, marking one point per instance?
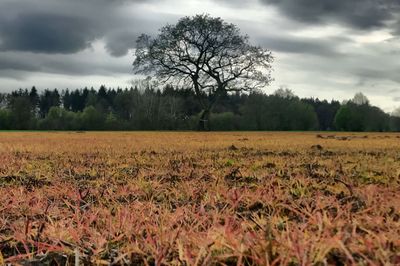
(302, 116)
(360, 99)
(19, 93)
(92, 98)
(272, 112)
(284, 92)
(146, 107)
(191, 105)
(111, 94)
(355, 117)
(113, 123)
(47, 100)
(22, 116)
(148, 110)
(5, 119)
(34, 99)
(207, 54)
(103, 102)
(325, 111)
(124, 104)
(170, 112)
(92, 119)
(375, 119)
(59, 119)
(79, 99)
(66, 100)
(102, 92)
(224, 121)
(343, 119)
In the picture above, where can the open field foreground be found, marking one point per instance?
(200, 198)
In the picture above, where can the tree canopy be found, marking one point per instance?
(207, 54)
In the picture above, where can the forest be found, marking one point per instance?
(146, 107)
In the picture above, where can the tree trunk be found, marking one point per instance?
(204, 122)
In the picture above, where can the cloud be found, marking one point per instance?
(9, 63)
(67, 27)
(237, 3)
(361, 14)
(303, 45)
(46, 33)
(120, 40)
(379, 74)
(119, 44)
(44, 26)
(95, 61)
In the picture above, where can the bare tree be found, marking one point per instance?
(284, 92)
(360, 99)
(207, 54)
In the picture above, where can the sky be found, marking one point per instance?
(326, 49)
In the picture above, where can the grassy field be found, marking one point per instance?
(163, 198)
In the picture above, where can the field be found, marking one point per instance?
(160, 198)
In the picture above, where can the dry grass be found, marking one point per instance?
(200, 198)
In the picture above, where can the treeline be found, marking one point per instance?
(139, 108)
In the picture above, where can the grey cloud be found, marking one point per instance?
(396, 99)
(123, 38)
(11, 64)
(302, 45)
(361, 14)
(11, 74)
(45, 26)
(379, 74)
(46, 33)
(52, 36)
(119, 44)
(396, 26)
(66, 27)
(80, 64)
(236, 3)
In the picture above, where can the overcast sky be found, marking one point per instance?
(323, 48)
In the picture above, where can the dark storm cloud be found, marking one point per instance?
(52, 36)
(361, 14)
(59, 26)
(46, 33)
(66, 27)
(46, 26)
